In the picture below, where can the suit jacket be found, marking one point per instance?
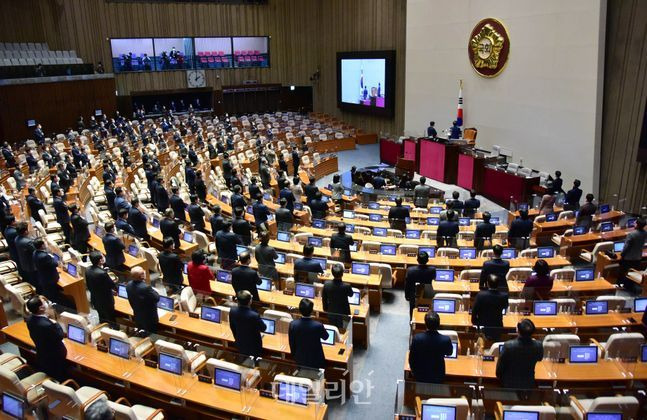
(289, 197)
(470, 206)
(196, 214)
(217, 223)
(520, 228)
(62, 213)
(110, 198)
(515, 367)
(245, 278)
(122, 224)
(161, 195)
(138, 221)
(178, 205)
(310, 191)
(114, 250)
(170, 228)
(427, 356)
(261, 212)
(34, 205)
(484, 230)
(237, 200)
(100, 286)
(487, 311)
(143, 299)
(243, 230)
(319, 209)
(334, 297)
(417, 274)
(48, 340)
(585, 215)
(226, 245)
(305, 336)
(46, 268)
(398, 213)
(447, 228)
(25, 249)
(247, 326)
(81, 233)
(497, 266)
(172, 268)
(10, 234)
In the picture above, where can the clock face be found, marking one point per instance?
(196, 78)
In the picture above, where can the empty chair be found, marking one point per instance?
(313, 393)
(615, 303)
(189, 301)
(192, 361)
(248, 376)
(29, 388)
(461, 404)
(546, 412)
(517, 305)
(518, 274)
(386, 273)
(622, 345)
(302, 238)
(564, 274)
(447, 252)
(556, 345)
(408, 249)
(91, 332)
(139, 347)
(371, 247)
(565, 305)
(567, 214)
(528, 253)
(125, 411)
(70, 402)
(395, 233)
(628, 406)
(470, 275)
(592, 256)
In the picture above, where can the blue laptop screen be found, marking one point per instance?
(331, 337)
(605, 208)
(240, 249)
(584, 274)
(413, 234)
(375, 217)
(227, 379)
(266, 284)
(435, 210)
(211, 314)
(122, 292)
(170, 364)
(348, 214)
(551, 217)
(545, 252)
(445, 275)
(597, 307)
(188, 237)
(166, 303)
(508, 253)
(640, 304)
(293, 393)
(388, 249)
(156, 222)
(579, 230)
(467, 253)
(119, 348)
(379, 231)
(75, 333)
(319, 224)
(13, 406)
(445, 306)
(350, 228)
(133, 250)
(355, 299)
(280, 258)
(438, 412)
(71, 269)
(283, 236)
(373, 205)
(494, 220)
(606, 227)
(454, 354)
(315, 241)
(322, 262)
(603, 416)
(643, 353)
(304, 290)
(361, 269)
(431, 252)
(520, 415)
(583, 354)
(463, 221)
(223, 276)
(545, 308)
(433, 221)
(618, 246)
(269, 326)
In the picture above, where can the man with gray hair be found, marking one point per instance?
(143, 300)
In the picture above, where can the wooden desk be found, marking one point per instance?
(75, 288)
(572, 246)
(595, 287)
(441, 160)
(499, 186)
(334, 145)
(186, 248)
(197, 399)
(96, 243)
(543, 231)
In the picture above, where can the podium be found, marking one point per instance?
(405, 166)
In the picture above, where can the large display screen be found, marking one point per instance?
(365, 82)
(213, 53)
(173, 53)
(132, 54)
(251, 51)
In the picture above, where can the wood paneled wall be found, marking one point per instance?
(625, 93)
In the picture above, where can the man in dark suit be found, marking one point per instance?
(295, 161)
(311, 190)
(253, 188)
(47, 273)
(196, 214)
(306, 269)
(247, 326)
(487, 310)
(334, 297)
(305, 335)
(557, 183)
(573, 196)
(398, 215)
(342, 242)
(25, 250)
(10, 234)
(226, 242)
(261, 213)
(447, 230)
(122, 222)
(47, 336)
(417, 274)
(431, 130)
(284, 217)
(34, 204)
(428, 350)
(161, 195)
(171, 266)
(484, 231)
(143, 300)
(241, 227)
(286, 193)
(471, 205)
(586, 212)
(497, 267)
(515, 366)
(245, 278)
(237, 199)
(520, 228)
(454, 131)
(101, 286)
(109, 191)
(62, 215)
(318, 207)
(114, 248)
(169, 227)
(455, 203)
(120, 200)
(189, 176)
(80, 231)
(177, 204)
(216, 220)
(137, 219)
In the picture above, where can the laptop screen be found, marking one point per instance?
(269, 325)
(76, 333)
(413, 234)
(551, 217)
(355, 299)
(544, 308)
(315, 241)
(304, 290)
(360, 268)
(433, 221)
(71, 269)
(379, 231)
(508, 253)
(170, 364)
(373, 205)
(603, 416)
(166, 303)
(330, 341)
(435, 210)
(99, 231)
(523, 207)
(322, 262)
(446, 275)
(350, 228)
(631, 222)
(156, 222)
(583, 354)
(267, 197)
(454, 354)
(438, 412)
(209, 313)
(57, 259)
(121, 291)
(319, 224)
(464, 221)
(375, 217)
(606, 227)
(643, 353)
(133, 250)
(283, 236)
(188, 237)
(584, 274)
(605, 208)
(227, 379)
(280, 258)
(298, 206)
(348, 214)
(580, 230)
(494, 220)
(597, 307)
(520, 415)
(431, 251)
(348, 192)
(240, 249)
(250, 209)
(640, 304)
(445, 306)
(293, 393)
(13, 406)
(467, 253)
(224, 199)
(266, 284)
(185, 268)
(618, 246)
(119, 348)
(223, 276)
(388, 249)
(545, 252)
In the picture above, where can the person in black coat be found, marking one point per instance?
(226, 242)
(47, 336)
(295, 161)
(241, 227)
(305, 337)
(520, 228)
(487, 310)
(200, 187)
(284, 217)
(62, 215)
(196, 214)
(342, 242)
(109, 191)
(189, 176)
(244, 277)
(428, 350)
(170, 228)
(497, 267)
(253, 189)
(80, 231)
(122, 223)
(161, 195)
(306, 269)
(101, 286)
(471, 205)
(143, 300)
(318, 207)
(417, 274)
(515, 366)
(47, 273)
(25, 250)
(137, 219)
(310, 190)
(34, 204)
(177, 204)
(573, 196)
(247, 326)
(237, 199)
(114, 248)
(10, 234)
(171, 266)
(334, 297)
(484, 230)
(447, 230)
(398, 215)
(216, 220)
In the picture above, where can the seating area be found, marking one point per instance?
(25, 54)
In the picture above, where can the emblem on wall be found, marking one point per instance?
(489, 47)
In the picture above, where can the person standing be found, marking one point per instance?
(169, 227)
(421, 194)
(114, 248)
(265, 256)
(80, 230)
(398, 215)
(341, 242)
(25, 250)
(47, 336)
(284, 217)
(305, 335)
(418, 274)
(631, 256)
(171, 266)
(246, 326)
(62, 215)
(573, 196)
(143, 301)
(488, 307)
(47, 273)
(586, 212)
(515, 367)
(196, 214)
(520, 230)
(334, 297)
(484, 232)
(199, 274)
(226, 242)
(431, 130)
(498, 267)
(428, 350)
(177, 204)
(137, 219)
(244, 277)
(101, 286)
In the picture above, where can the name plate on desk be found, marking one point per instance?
(150, 363)
(265, 393)
(205, 378)
(488, 358)
(287, 292)
(423, 308)
(102, 347)
(194, 315)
